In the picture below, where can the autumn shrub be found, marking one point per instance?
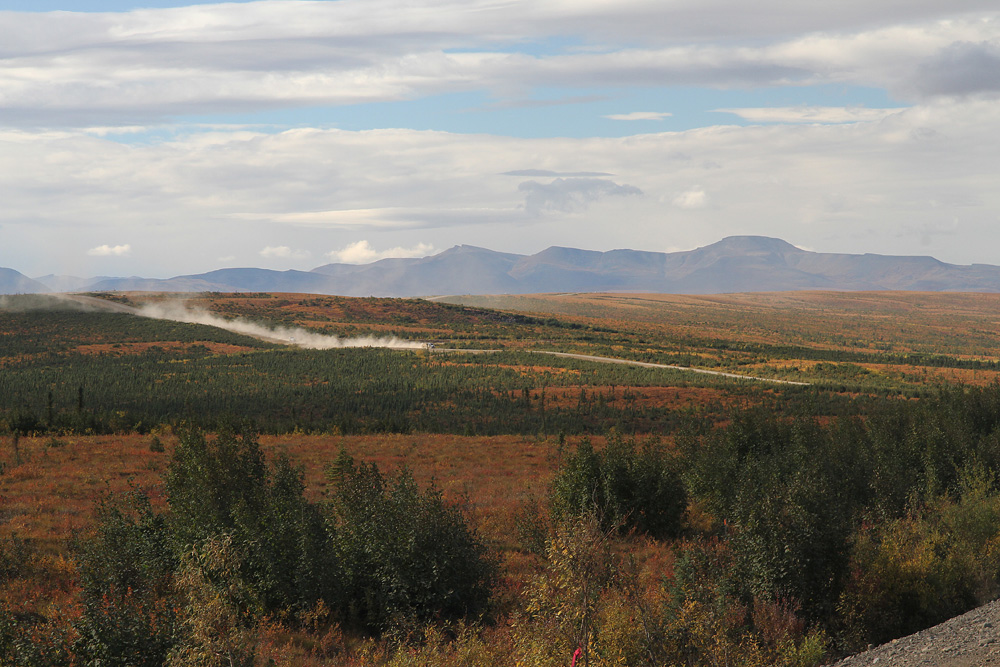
(705, 620)
(532, 526)
(890, 591)
(29, 638)
(628, 629)
(921, 569)
(217, 630)
(16, 557)
(126, 572)
(44, 642)
(784, 636)
(564, 601)
(8, 635)
(406, 555)
(460, 645)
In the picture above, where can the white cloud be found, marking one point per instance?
(570, 194)
(814, 184)
(810, 174)
(545, 173)
(283, 252)
(106, 69)
(110, 251)
(692, 199)
(362, 252)
(809, 114)
(639, 115)
(370, 218)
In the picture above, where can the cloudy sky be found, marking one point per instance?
(159, 138)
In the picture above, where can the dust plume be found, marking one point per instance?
(178, 312)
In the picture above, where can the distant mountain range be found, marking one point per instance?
(734, 264)
(12, 282)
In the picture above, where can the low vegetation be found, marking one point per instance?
(384, 526)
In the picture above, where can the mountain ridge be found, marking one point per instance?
(733, 264)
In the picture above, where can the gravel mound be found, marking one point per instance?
(969, 640)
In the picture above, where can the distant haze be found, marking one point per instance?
(735, 264)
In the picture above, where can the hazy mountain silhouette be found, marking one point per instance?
(12, 282)
(734, 264)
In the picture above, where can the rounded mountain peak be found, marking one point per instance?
(745, 245)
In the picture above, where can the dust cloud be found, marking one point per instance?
(179, 312)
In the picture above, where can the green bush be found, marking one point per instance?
(789, 492)
(225, 487)
(406, 555)
(626, 485)
(126, 572)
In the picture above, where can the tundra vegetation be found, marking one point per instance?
(177, 494)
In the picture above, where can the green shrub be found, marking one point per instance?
(407, 556)
(225, 487)
(626, 485)
(789, 492)
(126, 571)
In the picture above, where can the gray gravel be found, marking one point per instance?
(969, 640)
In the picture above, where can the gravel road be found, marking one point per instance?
(630, 362)
(969, 640)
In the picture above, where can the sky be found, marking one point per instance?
(161, 138)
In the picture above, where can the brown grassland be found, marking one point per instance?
(964, 325)
(51, 494)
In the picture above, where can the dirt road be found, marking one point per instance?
(630, 362)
